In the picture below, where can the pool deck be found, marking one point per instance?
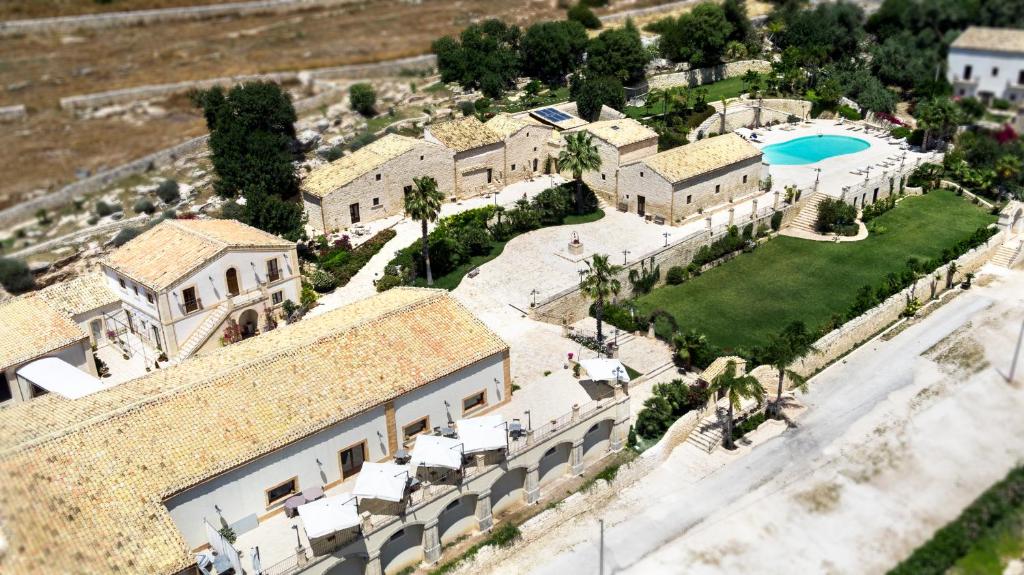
(885, 157)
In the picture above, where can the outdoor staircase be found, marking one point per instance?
(708, 435)
(1009, 254)
(213, 321)
(808, 215)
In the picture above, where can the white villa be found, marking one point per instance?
(988, 63)
(183, 280)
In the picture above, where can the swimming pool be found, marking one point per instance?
(810, 149)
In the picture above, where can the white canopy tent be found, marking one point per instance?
(437, 451)
(386, 481)
(58, 376)
(605, 369)
(329, 515)
(485, 433)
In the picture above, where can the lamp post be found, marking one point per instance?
(624, 254)
(666, 235)
(529, 421)
(817, 178)
(534, 293)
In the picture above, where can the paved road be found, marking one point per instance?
(649, 519)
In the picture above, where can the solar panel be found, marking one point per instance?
(553, 115)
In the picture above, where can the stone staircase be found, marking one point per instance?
(213, 321)
(708, 435)
(1009, 254)
(808, 215)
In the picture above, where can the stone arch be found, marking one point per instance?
(350, 564)
(457, 518)
(403, 548)
(597, 440)
(554, 464)
(249, 322)
(508, 490)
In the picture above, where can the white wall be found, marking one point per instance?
(1005, 83)
(241, 492)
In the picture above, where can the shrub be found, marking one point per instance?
(916, 137)
(308, 297)
(836, 216)
(322, 281)
(387, 282)
(42, 216)
(15, 276)
(849, 113)
(467, 108)
(105, 209)
(143, 206)
(901, 132)
(124, 236)
(1000, 104)
(878, 208)
(668, 402)
(585, 16)
(776, 221)
(747, 425)
(617, 315)
(168, 192)
(363, 98)
(676, 275)
(331, 154)
(343, 262)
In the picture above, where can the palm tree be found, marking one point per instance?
(1008, 168)
(791, 344)
(580, 155)
(938, 115)
(950, 272)
(600, 284)
(423, 203)
(656, 96)
(689, 345)
(736, 389)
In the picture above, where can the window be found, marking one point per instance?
(407, 190)
(995, 72)
(603, 178)
(282, 491)
(641, 174)
(475, 401)
(415, 428)
(377, 177)
(121, 281)
(1020, 77)
(149, 296)
(967, 72)
(744, 179)
(190, 299)
(689, 199)
(376, 201)
(277, 297)
(352, 459)
(273, 272)
(5, 388)
(135, 289)
(513, 167)
(535, 148)
(38, 391)
(718, 188)
(421, 158)
(490, 175)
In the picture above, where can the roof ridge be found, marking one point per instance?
(124, 409)
(194, 232)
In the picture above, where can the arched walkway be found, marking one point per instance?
(555, 463)
(596, 441)
(508, 491)
(458, 518)
(249, 322)
(354, 564)
(403, 549)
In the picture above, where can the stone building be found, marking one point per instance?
(88, 301)
(988, 63)
(526, 146)
(618, 142)
(479, 152)
(683, 181)
(183, 280)
(371, 183)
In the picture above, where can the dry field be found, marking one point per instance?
(19, 9)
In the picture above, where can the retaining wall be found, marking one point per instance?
(700, 76)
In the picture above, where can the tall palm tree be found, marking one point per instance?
(939, 115)
(791, 344)
(736, 389)
(600, 284)
(689, 345)
(580, 155)
(423, 204)
(655, 97)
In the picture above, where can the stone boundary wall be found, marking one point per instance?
(570, 305)
(78, 236)
(744, 113)
(13, 113)
(155, 16)
(840, 341)
(700, 76)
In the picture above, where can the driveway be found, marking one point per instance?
(895, 440)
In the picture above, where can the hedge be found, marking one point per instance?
(956, 539)
(343, 262)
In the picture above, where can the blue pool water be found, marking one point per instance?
(810, 149)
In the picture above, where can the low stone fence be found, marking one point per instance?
(701, 76)
(147, 17)
(747, 112)
(571, 305)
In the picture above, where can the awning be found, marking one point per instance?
(437, 451)
(329, 515)
(385, 481)
(601, 369)
(58, 376)
(484, 433)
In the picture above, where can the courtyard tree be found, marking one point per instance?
(423, 204)
(698, 37)
(593, 93)
(791, 344)
(485, 57)
(690, 345)
(600, 284)
(736, 389)
(579, 155)
(363, 99)
(618, 53)
(553, 50)
(939, 117)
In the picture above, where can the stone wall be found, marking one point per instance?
(570, 305)
(742, 113)
(700, 76)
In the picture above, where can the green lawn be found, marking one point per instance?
(728, 88)
(739, 304)
(990, 553)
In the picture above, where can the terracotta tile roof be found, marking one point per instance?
(85, 479)
(343, 171)
(620, 132)
(994, 39)
(719, 366)
(701, 157)
(174, 248)
(82, 294)
(464, 134)
(506, 125)
(31, 327)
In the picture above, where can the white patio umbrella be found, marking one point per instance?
(437, 451)
(485, 433)
(605, 369)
